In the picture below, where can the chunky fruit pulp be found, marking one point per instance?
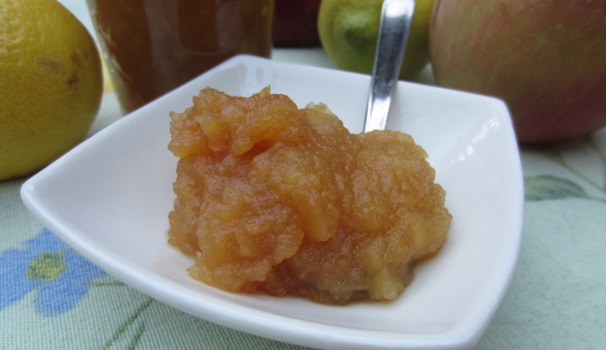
(155, 46)
(285, 201)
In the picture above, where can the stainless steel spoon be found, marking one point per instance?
(396, 16)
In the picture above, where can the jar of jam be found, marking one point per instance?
(153, 47)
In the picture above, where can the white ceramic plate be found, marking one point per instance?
(109, 199)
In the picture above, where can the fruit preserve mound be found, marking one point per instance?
(279, 200)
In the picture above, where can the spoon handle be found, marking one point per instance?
(396, 16)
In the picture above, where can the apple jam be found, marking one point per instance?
(153, 47)
(285, 201)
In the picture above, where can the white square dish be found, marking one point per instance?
(109, 198)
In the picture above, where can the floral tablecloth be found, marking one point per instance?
(52, 298)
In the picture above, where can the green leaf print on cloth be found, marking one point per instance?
(550, 187)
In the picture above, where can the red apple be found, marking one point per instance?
(295, 23)
(546, 59)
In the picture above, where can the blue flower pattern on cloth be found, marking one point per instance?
(46, 266)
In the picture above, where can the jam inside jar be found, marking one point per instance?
(153, 47)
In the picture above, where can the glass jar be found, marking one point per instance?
(153, 46)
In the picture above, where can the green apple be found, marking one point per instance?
(349, 30)
(545, 59)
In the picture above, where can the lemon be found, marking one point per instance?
(349, 29)
(50, 86)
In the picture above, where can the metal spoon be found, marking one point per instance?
(396, 16)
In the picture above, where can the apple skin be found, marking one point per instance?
(545, 59)
(295, 23)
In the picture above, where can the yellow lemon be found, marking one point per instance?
(349, 29)
(51, 84)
